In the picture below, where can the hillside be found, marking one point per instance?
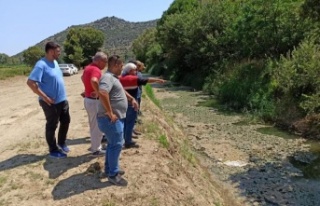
(119, 34)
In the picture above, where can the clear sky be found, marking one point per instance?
(23, 23)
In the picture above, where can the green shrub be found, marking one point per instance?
(298, 76)
(14, 70)
(247, 87)
(259, 28)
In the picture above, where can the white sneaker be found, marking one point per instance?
(99, 152)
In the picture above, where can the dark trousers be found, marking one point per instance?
(139, 102)
(131, 116)
(54, 114)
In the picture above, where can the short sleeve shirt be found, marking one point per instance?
(49, 77)
(90, 72)
(118, 100)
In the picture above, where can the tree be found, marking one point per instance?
(4, 58)
(141, 45)
(81, 44)
(77, 57)
(32, 55)
(311, 9)
(179, 6)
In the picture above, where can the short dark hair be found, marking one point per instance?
(113, 60)
(51, 45)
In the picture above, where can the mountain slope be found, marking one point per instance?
(119, 34)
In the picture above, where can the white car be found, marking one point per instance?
(66, 69)
(74, 68)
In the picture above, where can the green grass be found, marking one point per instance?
(209, 103)
(154, 202)
(7, 71)
(3, 180)
(109, 203)
(164, 141)
(152, 128)
(150, 94)
(187, 153)
(15, 186)
(217, 204)
(35, 176)
(3, 203)
(49, 182)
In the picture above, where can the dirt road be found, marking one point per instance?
(22, 119)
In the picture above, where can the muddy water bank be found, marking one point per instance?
(260, 166)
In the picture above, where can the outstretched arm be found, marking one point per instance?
(156, 80)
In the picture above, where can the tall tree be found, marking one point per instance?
(81, 44)
(143, 43)
(32, 55)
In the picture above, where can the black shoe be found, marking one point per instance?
(134, 136)
(103, 175)
(118, 180)
(136, 132)
(104, 139)
(131, 145)
(121, 172)
(98, 153)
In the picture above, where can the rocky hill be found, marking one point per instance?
(119, 34)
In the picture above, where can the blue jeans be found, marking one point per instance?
(131, 117)
(114, 135)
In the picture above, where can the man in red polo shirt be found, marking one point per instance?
(90, 78)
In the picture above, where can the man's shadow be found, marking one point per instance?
(77, 184)
(20, 160)
(57, 167)
(76, 141)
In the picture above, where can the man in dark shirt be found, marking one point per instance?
(130, 82)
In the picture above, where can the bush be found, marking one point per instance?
(298, 76)
(247, 87)
(14, 70)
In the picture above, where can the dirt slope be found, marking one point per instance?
(156, 175)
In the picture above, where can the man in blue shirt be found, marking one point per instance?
(46, 80)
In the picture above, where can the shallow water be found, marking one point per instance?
(310, 169)
(308, 163)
